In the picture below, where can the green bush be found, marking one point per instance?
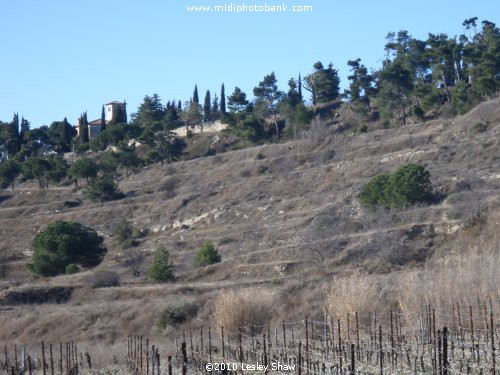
(175, 313)
(62, 243)
(207, 254)
(161, 269)
(124, 233)
(103, 189)
(72, 269)
(408, 185)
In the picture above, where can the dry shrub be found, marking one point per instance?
(235, 309)
(462, 279)
(355, 293)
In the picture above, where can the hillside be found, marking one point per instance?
(284, 217)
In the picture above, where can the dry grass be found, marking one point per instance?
(235, 309)
(462, 279)
(348, 295)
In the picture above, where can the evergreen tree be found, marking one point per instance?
(322, 83)
(215, 108)
(161, 269)
(103, 120)
(299, 88)
(206, 107)
(195, 95)
(222, 100)
(9, 170)
(25, 128)
(179, 106)
(267, 92)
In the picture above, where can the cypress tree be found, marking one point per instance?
(299, 87)
(103, 119)
(222, 100)
(85, 128)
(206, 107)
(215, 107)
(179, 105)
(195, 95)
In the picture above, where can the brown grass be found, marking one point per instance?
(234, 309)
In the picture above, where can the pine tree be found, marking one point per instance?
(25, 128)
(222, 100)
(206, 107)
(195, 95)
(179, 106)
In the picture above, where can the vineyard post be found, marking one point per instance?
(158, 361)
(340, 344)
(252, 334)
(445, 351)
(222, 342)
(265, 353)
(6, 356)
(141, 351)
(434, 361)
(184, 358)
(392, 341)
(381, 353)
(440, 354)
(153, 360)
(353, 368)
(293, 339)
(51, 360)
(241, 349)
(284, 335)
(357, 337)
(60, 358)
(493, 359)
(169, 364)
(300, 359)
(43, 358)
(332, 332)
(147, 356)
(307, 347)
(15, 356)
(30, 370)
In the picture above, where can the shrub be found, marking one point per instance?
(161, 269)
(103, 189)
(124, 232)
(72, 269)
(374, 192)
(104, 278)
(62, 243)
(207, 254)
(175, 313)
(408, 185)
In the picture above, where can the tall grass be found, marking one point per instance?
(236, 309)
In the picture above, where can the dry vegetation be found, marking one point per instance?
(286, 219)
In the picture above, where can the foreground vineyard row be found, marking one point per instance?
(358, 344)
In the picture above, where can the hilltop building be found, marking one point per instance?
(114, 112)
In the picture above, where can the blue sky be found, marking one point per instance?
(62, 57)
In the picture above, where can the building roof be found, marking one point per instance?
(95, 122)
(115, 102)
